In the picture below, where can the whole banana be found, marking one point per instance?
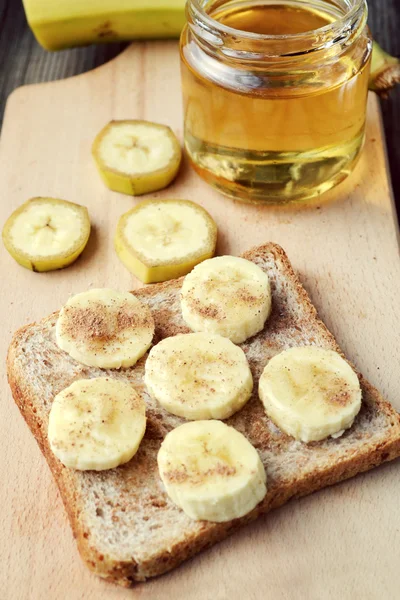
(64, 24)
(61, 24)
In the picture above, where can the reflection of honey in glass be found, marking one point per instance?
(293, 139)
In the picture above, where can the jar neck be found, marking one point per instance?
(216, 38)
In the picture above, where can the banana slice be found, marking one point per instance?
(45, 234)
(226, 295)
(199, 376)
(137, 157)
(164, 239)
(310, 393)
(96, 424)
(105, 328)
(211, 471)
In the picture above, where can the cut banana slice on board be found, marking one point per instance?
(137, 157)
(45, 234)
(226, 295)
(310, 393)
(199, 376)
(164, 239)
(105, 328)
(96, 424)
(211, 471)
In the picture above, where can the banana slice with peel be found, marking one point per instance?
(45, 234)
(105, 328)
(199, 376)
(96, 424)
(211, 471)
(310, 393)
(226, 295)
(164, 239)
(137, 157)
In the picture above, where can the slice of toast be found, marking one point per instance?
(126, 527)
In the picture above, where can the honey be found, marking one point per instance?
(275, 95)
(273, 19)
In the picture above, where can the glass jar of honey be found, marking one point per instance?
(275, 94)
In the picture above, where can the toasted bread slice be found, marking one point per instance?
(126, 527)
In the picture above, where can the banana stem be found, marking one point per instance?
(385, 71)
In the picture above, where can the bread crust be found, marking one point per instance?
(124, 572)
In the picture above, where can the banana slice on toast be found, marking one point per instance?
(137, 157)
(96, 424)
(199, 376)
(164, 239)
(310, 393)
(211, 471)
(45, 234)
(228, 296)
(105, 328)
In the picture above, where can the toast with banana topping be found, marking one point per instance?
(126, 526)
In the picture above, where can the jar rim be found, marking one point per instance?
(197, 8)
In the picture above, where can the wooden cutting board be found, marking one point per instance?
(343, 542)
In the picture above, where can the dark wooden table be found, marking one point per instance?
(23, 61)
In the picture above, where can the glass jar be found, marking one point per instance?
(275, 94)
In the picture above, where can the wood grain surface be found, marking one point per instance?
(343, 542)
